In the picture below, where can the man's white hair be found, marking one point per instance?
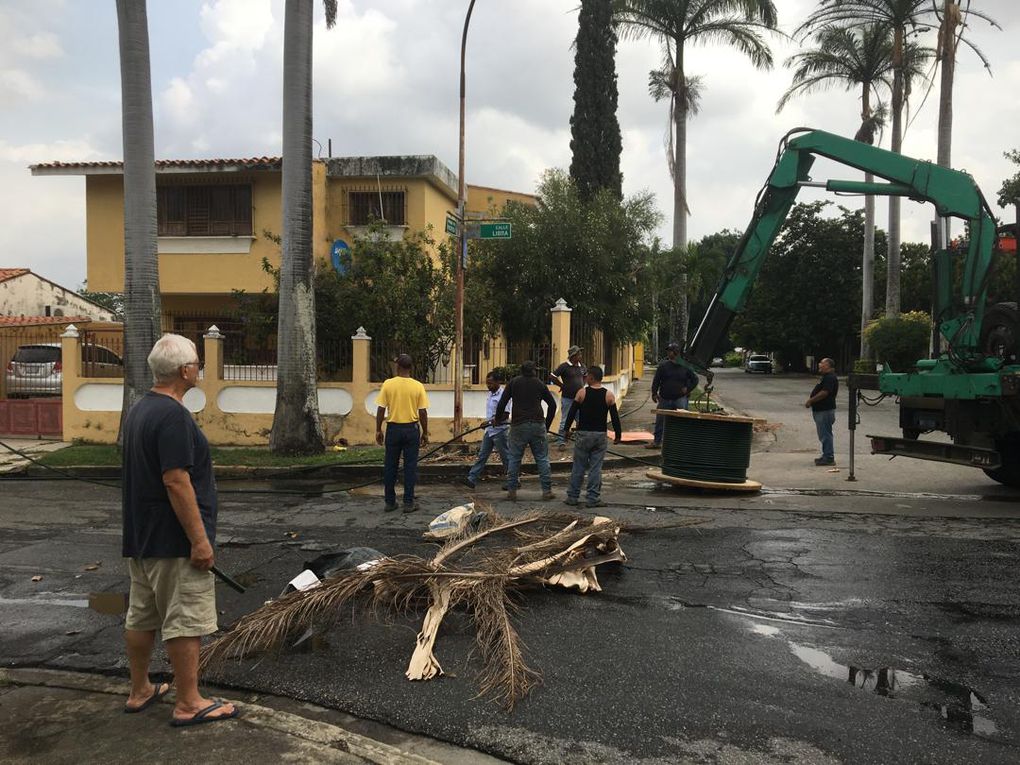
(170, 353)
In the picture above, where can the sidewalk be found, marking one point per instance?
(69, 717)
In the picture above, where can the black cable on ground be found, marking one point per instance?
(706, 449)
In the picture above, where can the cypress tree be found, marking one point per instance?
(595, 142)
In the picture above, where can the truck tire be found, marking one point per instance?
(1008, 473)
(1000, 332)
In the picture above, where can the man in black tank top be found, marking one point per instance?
(591, 407)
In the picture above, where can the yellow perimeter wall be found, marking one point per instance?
(91, 406)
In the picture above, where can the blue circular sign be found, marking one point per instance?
(338, 248)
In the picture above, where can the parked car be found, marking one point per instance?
(36, 370)
(757, 362)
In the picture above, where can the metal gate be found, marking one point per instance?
(31, 417)
(30, 403)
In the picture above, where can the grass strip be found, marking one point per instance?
(107, 455)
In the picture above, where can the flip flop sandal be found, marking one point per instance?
(202, 716)
(156, 696)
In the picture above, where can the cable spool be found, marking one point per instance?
(706, 450)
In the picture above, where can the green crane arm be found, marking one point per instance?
(953, 193)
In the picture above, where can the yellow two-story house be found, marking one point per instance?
(214, 216)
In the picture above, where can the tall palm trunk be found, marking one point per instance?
(141, 269)
(892, 282)
(947, 60)
(681, 103)
(868, 257)
(296, 424)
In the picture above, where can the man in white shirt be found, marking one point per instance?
(495, 435)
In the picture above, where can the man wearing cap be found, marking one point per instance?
(569, 376)
(671, 386)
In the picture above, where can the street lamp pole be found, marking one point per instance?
(458, 320)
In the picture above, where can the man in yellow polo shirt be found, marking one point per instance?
(403, 403)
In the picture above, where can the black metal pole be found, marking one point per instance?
(852, 426)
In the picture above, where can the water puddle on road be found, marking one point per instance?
(961, 708)
(109, 603)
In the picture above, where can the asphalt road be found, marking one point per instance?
(820, 621)
(784, 455)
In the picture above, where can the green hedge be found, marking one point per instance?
(899, 341)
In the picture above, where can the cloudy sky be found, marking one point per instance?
(386, 83)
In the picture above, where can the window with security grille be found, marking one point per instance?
(363, 208)
(204, 210)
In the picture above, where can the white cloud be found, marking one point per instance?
(18, 85)
(386, 82)
(39, 45)
(57, 151)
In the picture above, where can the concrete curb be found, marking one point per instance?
(285, 723)
(337, 472)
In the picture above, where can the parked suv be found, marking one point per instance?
(35, 369)
(758, 363)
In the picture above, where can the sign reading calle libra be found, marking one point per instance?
(494, 231)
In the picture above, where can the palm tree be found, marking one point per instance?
(850, 57)
(675, 24)
(142, 318)
(901, 17)
(951, 18)
(296, 425)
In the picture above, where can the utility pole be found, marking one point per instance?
(458, 319)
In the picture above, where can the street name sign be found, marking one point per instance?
(494, 231)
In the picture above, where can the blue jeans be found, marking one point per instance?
(402, 439)
(823, 424)
(589, 452)
(499, 441)
(667, 403)
(529, 434)
(561, 435)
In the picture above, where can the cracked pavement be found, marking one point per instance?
(820, 622)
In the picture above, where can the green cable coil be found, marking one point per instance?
(706, 449)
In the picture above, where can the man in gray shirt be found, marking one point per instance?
(528, 426)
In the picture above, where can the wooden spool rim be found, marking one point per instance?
(747, 485)
(705, 416)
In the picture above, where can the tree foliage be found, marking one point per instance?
(808, 296)
(1009, 193)
(703, 263)
(111, 301)
(400, 292)
(591, 253)
(595, 142)
(899, 341)
(396, 290)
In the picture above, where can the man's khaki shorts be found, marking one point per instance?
(171, 595)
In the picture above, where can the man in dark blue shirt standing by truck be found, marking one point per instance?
(671, 387)
(823, 408)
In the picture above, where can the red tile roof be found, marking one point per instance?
(262, 163)
(33, 321)
(10, 273)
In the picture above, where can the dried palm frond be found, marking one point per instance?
(480, 569)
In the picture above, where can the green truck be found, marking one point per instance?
(970, 389)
